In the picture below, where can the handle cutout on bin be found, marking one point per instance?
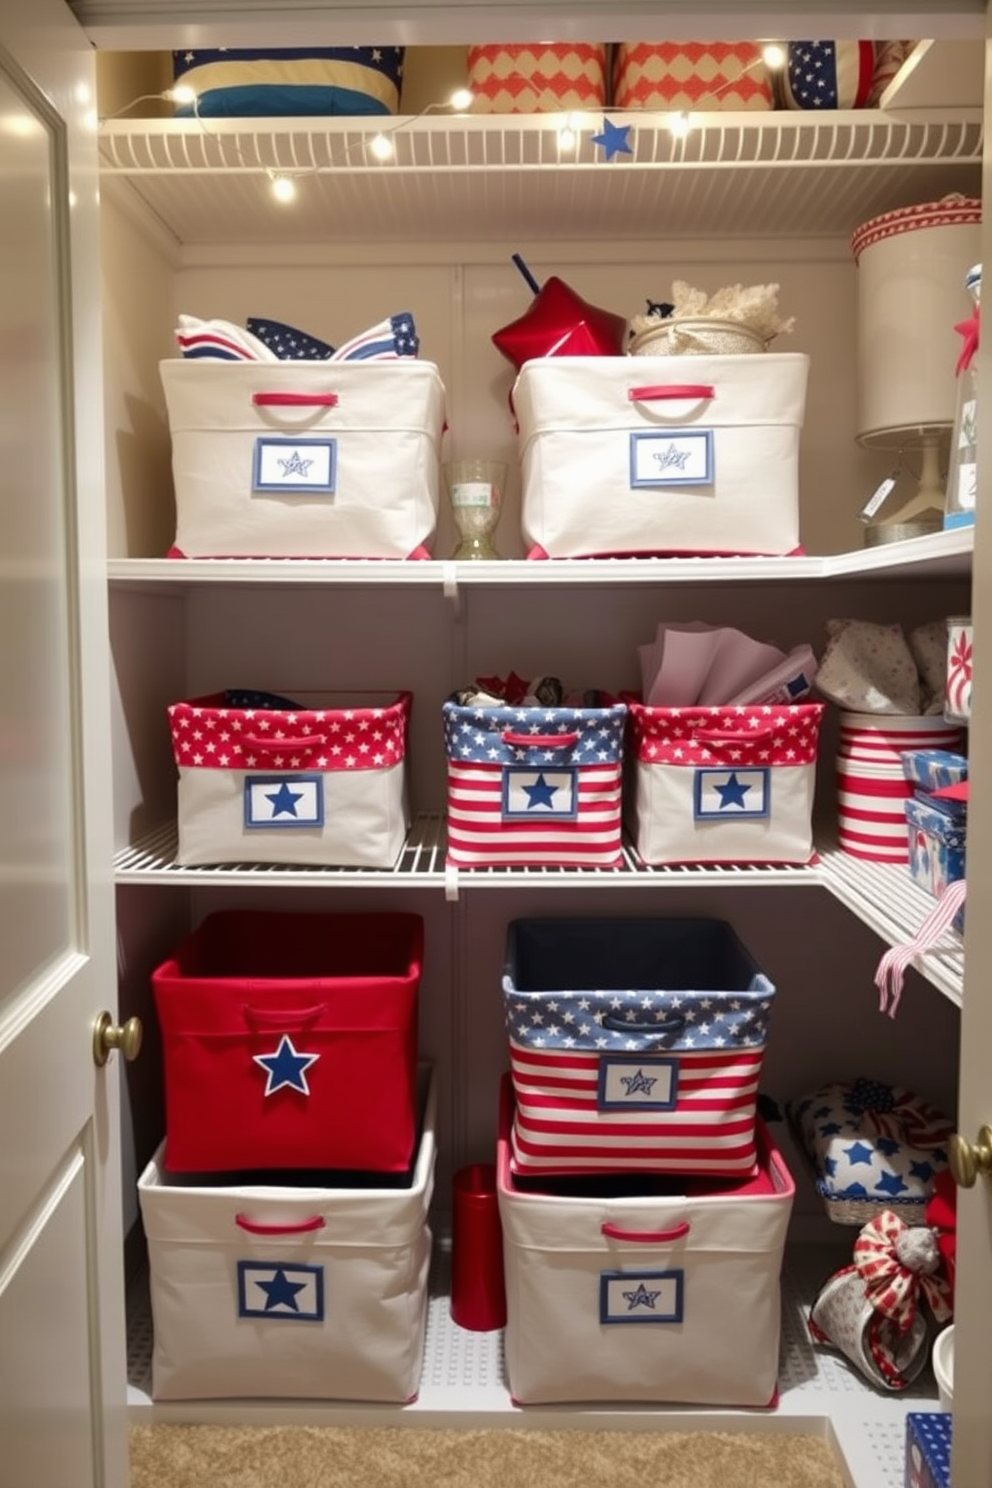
(672, 1024)
(645, 1237)
(540, 741)
(674, 391)
(288, 741)
(294, 400)
(304, 1226)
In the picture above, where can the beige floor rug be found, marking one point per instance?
(409, 1457)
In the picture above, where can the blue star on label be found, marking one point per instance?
(641, 1297)
(613, 139)
(727, 793)
(295, 800)
(286, 1067)
(295, 464)
(284, 800)
(270, 1290)
(636, 1084)
(537, 792)
(647, 1297)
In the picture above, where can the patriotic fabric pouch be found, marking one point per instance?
(635, 1045)
(668, 1292)
(825, 75)
(537, 77)
(534, 786)
(691, 75)
(636, 456)
(305, 459)
(722, 785)
(289, 1040)
(872, 1146)
(882, 1311)
(234, 82)
(274, 341)
(300, 1290)
(320, 783)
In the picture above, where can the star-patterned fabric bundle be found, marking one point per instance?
(535, 787)
(635, 1046)
(273, 341)
(727, 785)
(872, 1146)
(262, 781)
(331, 81)
(825, 75)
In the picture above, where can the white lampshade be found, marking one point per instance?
(912, 265)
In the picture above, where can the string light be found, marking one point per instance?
(381, 147)
(283, 187)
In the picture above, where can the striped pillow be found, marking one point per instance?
(234, 82)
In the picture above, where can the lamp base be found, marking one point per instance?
(886, 532)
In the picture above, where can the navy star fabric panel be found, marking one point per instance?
(235, 82)
(290, 1042)
(825, 75)
(288, 343)
(635, 1045)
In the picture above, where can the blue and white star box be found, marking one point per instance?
(232, 82)
(653, 1291)
(305, 1288)
(319, 778)
(928, 1449)
(636, 1046)
(933, 768)
(871, 1146)
(937, 849)
(535, 787)
(660, 455)
(722, 784)
(289, 1041)
(305, 459)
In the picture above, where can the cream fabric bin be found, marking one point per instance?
(647, 455)
(304, 459)
(666, 1298)
(280, 1291)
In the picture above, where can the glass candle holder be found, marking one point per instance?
(475, 490)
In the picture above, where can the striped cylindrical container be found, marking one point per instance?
(871, 787)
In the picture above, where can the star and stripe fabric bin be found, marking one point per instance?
(660, 455)
(635, 1046)
(289, 1041)
(722, 784)
(319, 778)
(305, 1289)
(304, 459)
(656, 1291)
(534, 787)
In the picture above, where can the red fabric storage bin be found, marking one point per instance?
(290, 1041)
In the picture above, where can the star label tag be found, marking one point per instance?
(725, 795)
(303, 467)
(530, 793)
(641, 1296)
(268, 1289)
(284, 801)
(650, 1084)
(672, 458)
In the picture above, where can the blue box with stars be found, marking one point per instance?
(928, 1449)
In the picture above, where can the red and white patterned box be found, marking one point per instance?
(670, 1294)
(537, 78)
(691, 75)
(289, 1040)
(322, 783)
(722, 785)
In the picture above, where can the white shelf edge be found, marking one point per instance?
(940, 555)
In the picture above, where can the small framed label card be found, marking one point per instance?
(681, 457)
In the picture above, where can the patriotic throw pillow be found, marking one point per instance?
(612, 1074)
(824, 75)
(234, 82)
(272, 341)
(534, 786)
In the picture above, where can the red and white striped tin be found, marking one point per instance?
(878, 739)
(871, 787)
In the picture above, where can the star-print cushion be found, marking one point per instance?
(872, 1146)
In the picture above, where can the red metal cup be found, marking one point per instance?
(478, 1292)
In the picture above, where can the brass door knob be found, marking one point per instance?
(108, 1036)
(968, 1159)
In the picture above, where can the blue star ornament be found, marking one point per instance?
(613, 139)
(286, 1066)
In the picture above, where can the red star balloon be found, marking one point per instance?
(559, 323)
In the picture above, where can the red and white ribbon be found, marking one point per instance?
(892, 967)
(900, 1269)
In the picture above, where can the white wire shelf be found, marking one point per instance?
(470, 178)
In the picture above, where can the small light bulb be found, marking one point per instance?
(679, 124)
(566, 138)
(461, 100)
(381, 147)
(283, 188)
(774, 56)
(182, 94)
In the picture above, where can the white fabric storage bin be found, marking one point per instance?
(660, 455)
(324, 784)
(671, 1297)
(289, 1291)
(304, 459)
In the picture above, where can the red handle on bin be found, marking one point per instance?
(645, 1237)
(672, 391)
(294, 400)
(273, 746)
(540, 741)
(317, 1222)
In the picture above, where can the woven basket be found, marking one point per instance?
(696, 337)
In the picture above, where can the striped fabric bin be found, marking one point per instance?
(534, 787)
(635, 1046)
(872, 788)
